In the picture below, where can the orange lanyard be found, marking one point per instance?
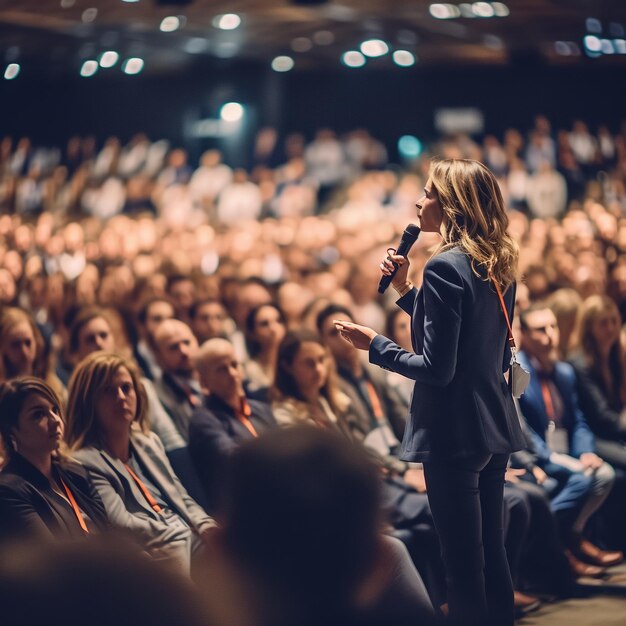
(244, 417)
(146, 494)
(506, 314)
(79, 515)
(547, 400)
(375, 402)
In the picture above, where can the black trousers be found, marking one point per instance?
(466, 497)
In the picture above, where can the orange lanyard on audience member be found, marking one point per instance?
(243, 415)
(146, 494)
(377, 408)
(79, 515)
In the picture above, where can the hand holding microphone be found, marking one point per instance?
(395, 267)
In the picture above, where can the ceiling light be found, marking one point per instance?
(132, 66)
(231, 112)
(89, 15)
(403, 58)
(89, 68)
(500, 9)
(620, 46)
(483, 9)
(409, 146)
(592, 43)
(12, 70)
(282, 64)
(228, 21)
(353, 58)
(444, 11)
(374, 48)
(606, 45)
(196, 45)
(323, 38)
(67, 4)
(109, 58)
(301, 44)
(169, 24)
(593, 25)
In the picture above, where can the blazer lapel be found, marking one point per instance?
(160, 477)
(124, 477)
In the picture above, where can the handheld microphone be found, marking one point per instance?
(409, 237)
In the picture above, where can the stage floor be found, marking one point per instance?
(605, 605)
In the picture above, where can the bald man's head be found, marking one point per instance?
(175, 347)
(220, 371)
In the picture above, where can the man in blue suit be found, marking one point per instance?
(560, 436)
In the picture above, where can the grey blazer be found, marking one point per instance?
(124, 502)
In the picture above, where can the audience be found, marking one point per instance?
(127, 250)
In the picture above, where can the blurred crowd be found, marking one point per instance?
(166, 316)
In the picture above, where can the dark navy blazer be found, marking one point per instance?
(580, 437)
(461, 404)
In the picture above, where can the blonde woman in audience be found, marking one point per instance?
(599, 365)
(565, 304)
(107, 432)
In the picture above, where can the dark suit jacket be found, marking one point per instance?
(601, 412)
(461, 403)
(29, 506)
(215, 432)
(533, 408)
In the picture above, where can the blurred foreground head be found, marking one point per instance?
(300, 517)
(100, 583)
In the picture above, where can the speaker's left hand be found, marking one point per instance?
(359, 336)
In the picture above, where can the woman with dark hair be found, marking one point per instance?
(599, 366)
(42, 493)
(107, 431)
(462, 421)
(265, 328)
(305, 388)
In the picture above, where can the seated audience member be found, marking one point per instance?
(565, 304)
(209, 319)
(182, 290)
(264, 330)
(177, 388)
(90, 331)
(599, 366)
(560, 435)
(566, 490)
(107, 433)
(43, 494)
(226, 418)
(23, 351)
(326, 561)
(151, 314)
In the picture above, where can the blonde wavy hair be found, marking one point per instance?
(474, 218)
(90, 377)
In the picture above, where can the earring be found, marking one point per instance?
(13, 443)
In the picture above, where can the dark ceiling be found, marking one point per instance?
(56, 36)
